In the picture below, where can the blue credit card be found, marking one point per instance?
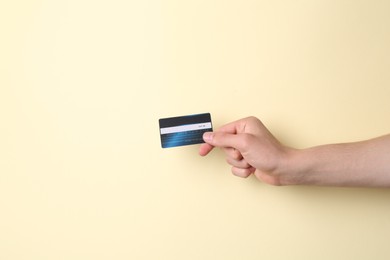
(184, 130)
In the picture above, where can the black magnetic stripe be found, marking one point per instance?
(184, 120)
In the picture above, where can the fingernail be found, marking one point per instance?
(208, 136)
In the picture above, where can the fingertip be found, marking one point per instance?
(205, 149)
(242, 172)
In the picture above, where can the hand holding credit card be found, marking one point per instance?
(184, 130)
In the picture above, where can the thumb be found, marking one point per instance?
(221, 139)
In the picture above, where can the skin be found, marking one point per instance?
(250, 148)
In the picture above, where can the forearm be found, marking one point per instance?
(357, 164)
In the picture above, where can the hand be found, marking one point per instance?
(250, 149)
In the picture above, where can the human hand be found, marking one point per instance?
(250, 149)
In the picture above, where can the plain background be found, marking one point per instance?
(83, 84)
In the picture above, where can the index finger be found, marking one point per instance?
(205, 149)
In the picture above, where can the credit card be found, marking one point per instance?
(184, 130)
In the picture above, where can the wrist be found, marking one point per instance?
(318, 165)
(293, 170)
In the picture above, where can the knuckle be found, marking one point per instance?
(253, 119)
(236, 155)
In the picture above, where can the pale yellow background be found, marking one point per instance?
(83, 84)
